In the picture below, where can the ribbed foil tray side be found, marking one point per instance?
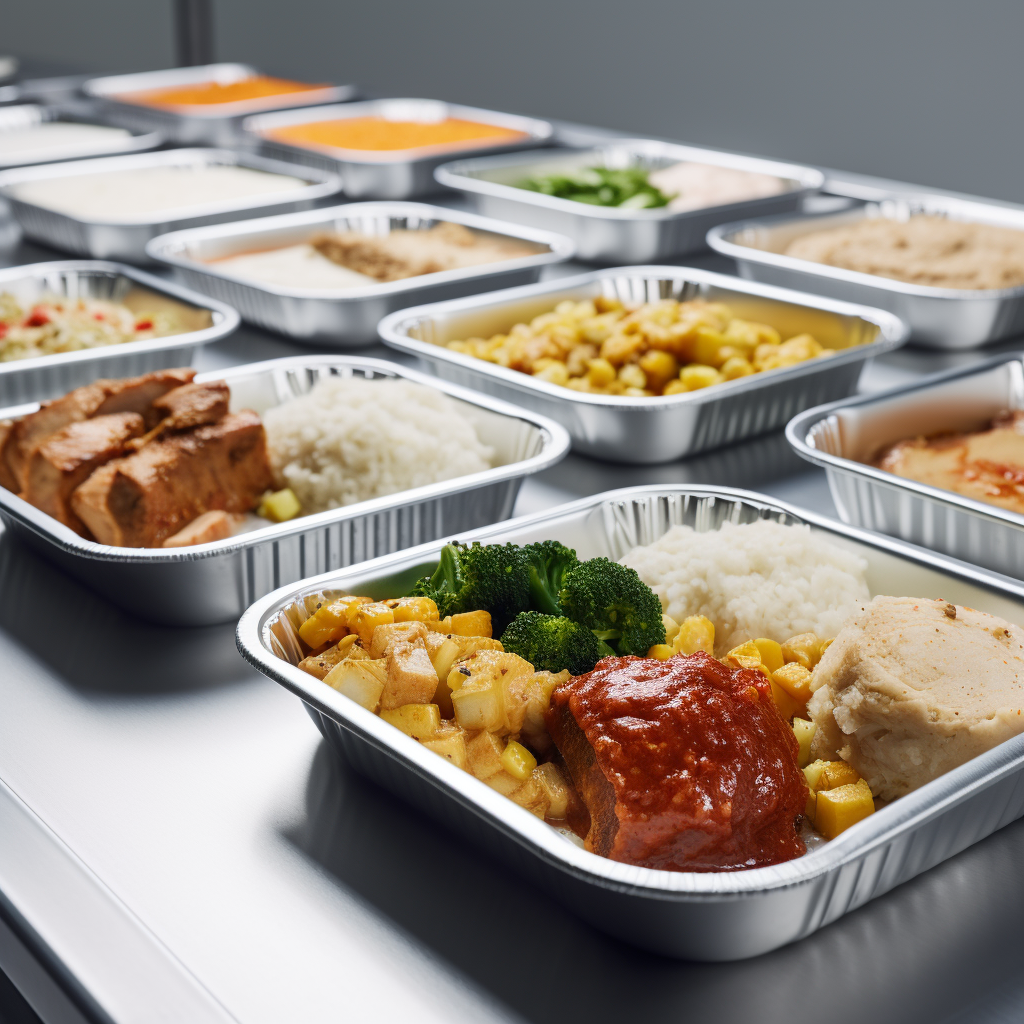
(53, 228)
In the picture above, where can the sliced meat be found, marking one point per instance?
(205, 528)
(7, 478)
(66, 459)
(193, 405)
(103, 397)
(141, 500)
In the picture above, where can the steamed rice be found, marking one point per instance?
(352, 439)
(761, 579)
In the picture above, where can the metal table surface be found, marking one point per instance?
(178, 844)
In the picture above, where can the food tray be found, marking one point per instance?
(24, 380)
(343, 319)
(395, 174)
(713, 916)
(644, 430)
(940, 318)
(837, 435)
(126, 239)
(608, 234)
(214, 125)
(24, 115)
(215, 582)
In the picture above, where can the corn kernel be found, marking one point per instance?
(671, 628)
(554, 373)
(787, 705)
(413, 609)
(696, 376)
(696, 633)
(518, 761)
(771, 653)
(600, 373)
(632, 376)
(279, 506)
(675, 387)
(800, 348)
(661, 652)
(837, 809)
(736, 367)
(745, 656)
(795, 680)
(660, 368)
(804, 649)
(804, 732)
(835, 774)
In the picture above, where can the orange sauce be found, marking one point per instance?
(377, 133)
(208, 93)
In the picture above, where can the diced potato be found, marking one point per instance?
(735, 367)
(411, 678)
(837, 809)
(495, 694)
(413, 609)
(279, 506)
(320, 664)
(660, 367)
(695, 377)
(662, 652)
(518, 761)
(788, 707)
(795, 680)
(420, 721)
(478, 707)
(804, 732)
(484, 752)
(835, 774)
(451, 745)
(746, 655)
(696, 633)
(504, 783)
(804, 649)
(367, 617)
(531, 796)
(330, 621)
(671, 628)
(539, 688)
(771, 653)
(395, 632)
(476, 623)
(556, 788)
(361, 681)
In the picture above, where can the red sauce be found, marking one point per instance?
(690, 767)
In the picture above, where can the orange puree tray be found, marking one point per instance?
(204, 104)
(388, 149)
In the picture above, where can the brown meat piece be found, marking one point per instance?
(203, 529)
(193, 405)
(103, 397)
(66, 459)
(141, 500)
(7, 478)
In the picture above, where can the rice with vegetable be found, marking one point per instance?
(761, 579)
(350, 440)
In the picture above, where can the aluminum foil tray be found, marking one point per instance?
(607, 234)
(839, 435)
(29, 114)
(644, 430)
(215, 582)
(699, 916)
(126, 239)
(344, 318)
(394, 174)
(939, 318)
(214, 125)
(24, 380)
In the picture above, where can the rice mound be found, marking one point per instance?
(352, 439)
(753, 580)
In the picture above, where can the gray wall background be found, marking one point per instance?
(927, 91)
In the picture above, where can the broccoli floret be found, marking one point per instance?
(494, 577)
(552, 642)
(549, 562)
(615, 603)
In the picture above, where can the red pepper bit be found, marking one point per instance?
(3, 329)
(37, 319)
(144, 325)
(98, 316)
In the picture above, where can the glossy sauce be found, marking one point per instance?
(684, 764)
(379, 133)
(205, 94)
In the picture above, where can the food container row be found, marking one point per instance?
(703, 916)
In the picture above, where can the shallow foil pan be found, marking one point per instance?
(29, 114)
(215, 582)
(939, 318)
(126, 239)
(607, 234)
(700, 916)
(344, 318)
(213, 125)
(839, 435)
(24, 380)
(646, 430)
(394, 174)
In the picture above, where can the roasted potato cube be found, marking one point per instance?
(411, 678)
(330, 621)
(320, 664)
(550, 778)
(495, 694)
(661, 652)
(503, 783)
(826, 775)
(395, 632)
(367, 617)
(804, 732)
(837, 809)
(531, 796)
(745, 656)
(696, 633)
(787, 705)
(413, 609)
(804, 649)
(476, 623)
(518, 761)
(484, 752)
(450, 743)
(771, 653)
(279, 506)
(795, 680)
(361, 681)
(539, 688)
(420, 721)
(671, 628)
